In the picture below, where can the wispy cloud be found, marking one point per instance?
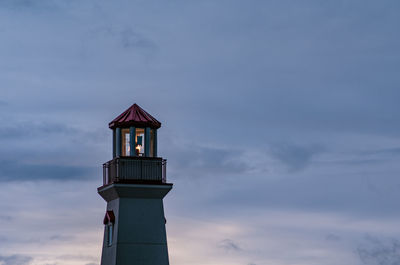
(295, 157)
(27, 4)
(15, 260)
(15, 130)
(6, 218)
(385, 151)
(209, 160)
(77, 257)
(376, 252)
(332, 237)
(132, 39)
(19, 171)
(62, 238)
(126, 37)
(229, 245)
(18, 3)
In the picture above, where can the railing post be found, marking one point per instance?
(114, 144)
(164, 171)
(117, 170)
(108, 174)
(155, 143)
(104, 174)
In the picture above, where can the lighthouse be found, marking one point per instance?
(134, 185)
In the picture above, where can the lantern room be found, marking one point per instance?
(135, 133)
(135, 158)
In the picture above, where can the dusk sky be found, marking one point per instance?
(280, 124)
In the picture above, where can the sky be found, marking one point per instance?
(280, 124)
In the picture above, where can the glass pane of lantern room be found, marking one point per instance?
(139, 145)
(125, 148)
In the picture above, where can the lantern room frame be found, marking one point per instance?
(149, 142)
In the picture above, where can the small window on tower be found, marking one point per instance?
(110, 234)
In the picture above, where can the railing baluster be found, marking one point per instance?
(164, 170)
(104, 174)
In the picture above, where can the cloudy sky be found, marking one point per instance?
(281, 126)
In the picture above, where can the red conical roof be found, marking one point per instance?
(135, 116)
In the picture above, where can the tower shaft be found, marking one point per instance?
(138, 235)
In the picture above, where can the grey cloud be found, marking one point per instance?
(27, 4)
(295, 157)
(357, 161)
(15, 260)
(61, 238)
(332, 237)
(18, 3)
(77, 257)
(359, 191)
(126, 37)
(42, 5)
(370, 157)
(131, 39)
(48, 141)
(206, 160)
(387, 151)
(376, 252)
(6, 218)
(229, 245)
(19, 171)
(29, 129)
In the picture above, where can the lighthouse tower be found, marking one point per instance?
(134, 185)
